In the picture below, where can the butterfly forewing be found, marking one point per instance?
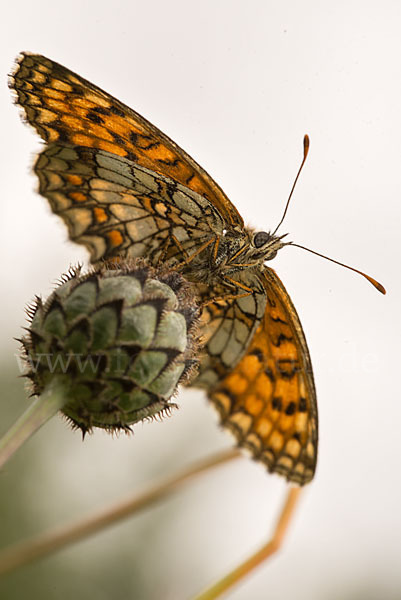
(62, 106)
(117, 208)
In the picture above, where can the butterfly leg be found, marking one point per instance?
(171, 241)
(224, 298)
(163, 253)
(188, 258)
(232, 282)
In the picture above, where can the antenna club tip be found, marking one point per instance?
(306, 144)
(376, 284)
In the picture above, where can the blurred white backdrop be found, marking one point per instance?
(237, 84)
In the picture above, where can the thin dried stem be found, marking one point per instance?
(48, 543)
(275, 542)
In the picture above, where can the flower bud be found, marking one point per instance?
(122, 337)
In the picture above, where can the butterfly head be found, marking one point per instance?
(264, 246)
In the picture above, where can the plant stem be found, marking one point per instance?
(41, 410)
(237, 574)
(50, 542)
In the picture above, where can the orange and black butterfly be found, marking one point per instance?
(125, 189)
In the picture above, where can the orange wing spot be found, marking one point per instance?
(77, 196)
(73, 78)
(287, 390)
(293, 448)
(263, 386)
(161, 209)
(74, 179)
(286, 351)
(240, 420)
(97, 99)
(160, 152)
(301, 420)
(99, 131)
(44, 68)
(177, 219)
(286, 422)
(285, 463)
(117, 125)
(57, 84)
(73, 123)
(53, 93)
(254, 405)
(310, 450)
(82, 103)
(199, 186)
(82, 140)
(276, 441)
(80, 112)
(302, 389)
(57, 105)
(100, 214)
(264, 427)
(276, 313)
(31, 100)
(52, 135)
(250, 365)
(115, 237)
(135, 126)
(112, 148)
(236, 383)
(303, 471)
(46, 116)
(38, 77)
(147, 204)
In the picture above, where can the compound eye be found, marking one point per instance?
(260, 239)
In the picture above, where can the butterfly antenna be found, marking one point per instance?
(376, 284)
(306, 150)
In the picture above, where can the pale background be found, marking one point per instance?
(237, 84)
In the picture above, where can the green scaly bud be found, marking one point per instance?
(118, 339)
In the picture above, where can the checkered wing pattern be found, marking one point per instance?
(64, 107)
(268, 400)
(117, 208)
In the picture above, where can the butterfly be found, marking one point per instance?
(124, 189)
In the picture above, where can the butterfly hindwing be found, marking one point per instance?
(269, 400)
(228, 326)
